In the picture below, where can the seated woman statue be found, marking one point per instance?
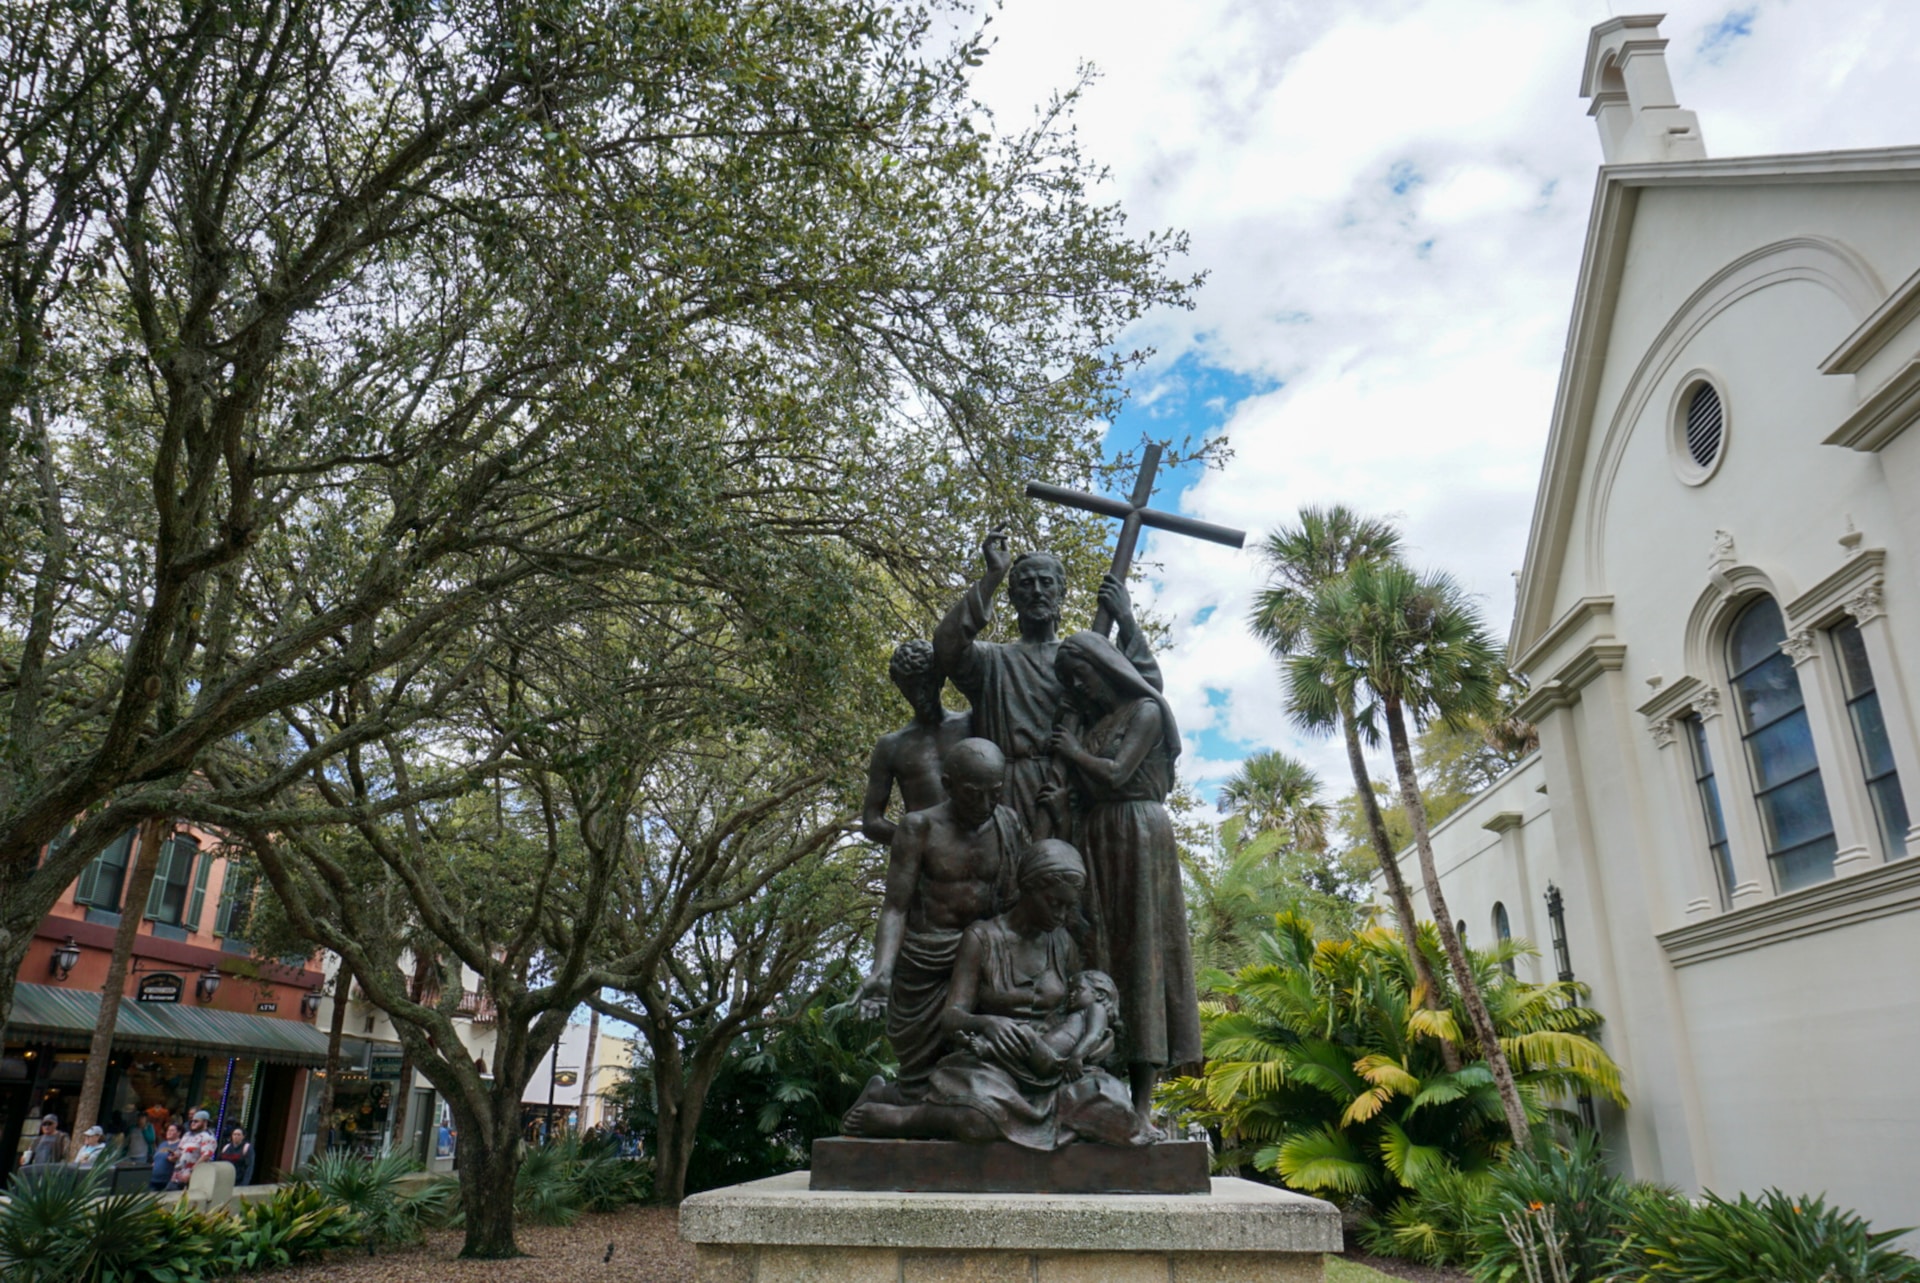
(1025, 1022)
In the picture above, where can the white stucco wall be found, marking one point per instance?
(1765, 1041)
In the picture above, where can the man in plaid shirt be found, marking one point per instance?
(196, 1145)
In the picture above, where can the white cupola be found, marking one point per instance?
(1633, 101)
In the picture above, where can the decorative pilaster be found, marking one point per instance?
(1746, 845)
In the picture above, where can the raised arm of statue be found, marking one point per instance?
(964, 620)
(1132, 642)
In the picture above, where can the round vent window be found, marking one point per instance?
(1699, 429)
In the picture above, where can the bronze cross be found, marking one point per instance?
(1133, 514)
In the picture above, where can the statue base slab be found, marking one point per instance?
(780, 1231)
(951, 1167)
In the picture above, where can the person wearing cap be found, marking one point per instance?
(93, 1143)
(195, 1147)
(50, 1146)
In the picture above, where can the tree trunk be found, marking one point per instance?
(1396, 881)
(342, 986)
(489, 1168)
(133, 906)
(586, 1064)
(1470, 994)
(403, 1094)
(680, 1098)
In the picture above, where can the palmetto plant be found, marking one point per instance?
(1324, 1065)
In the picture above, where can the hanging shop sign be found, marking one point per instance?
(161, 986)
(384, 1066)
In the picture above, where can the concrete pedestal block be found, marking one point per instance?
(780, 1231)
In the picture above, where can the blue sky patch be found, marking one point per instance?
(1720, 38)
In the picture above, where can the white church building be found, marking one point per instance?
(1719, 614)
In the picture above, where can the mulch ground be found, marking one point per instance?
(634, 1245)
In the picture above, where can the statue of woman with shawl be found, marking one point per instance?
(1020, 1021)
(1121, 769)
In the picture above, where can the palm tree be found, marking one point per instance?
(1275, 793)
(1302, 560)
(1415, 646)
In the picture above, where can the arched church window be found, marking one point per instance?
(1779, 743)
(1503, 931)
(1870, 733)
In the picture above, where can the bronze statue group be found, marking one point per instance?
(1032, 945)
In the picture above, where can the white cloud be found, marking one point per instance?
(1390, 199)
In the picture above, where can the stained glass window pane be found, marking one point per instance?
(1853, 659)
(1768, 692)
(1756, 635)
(1795, 813)
(1871, 726)
(1782, 751)
(1804, 866)
(1891, 806)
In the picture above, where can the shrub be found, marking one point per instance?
(1771, 1239)
(1432, 1226)
(59, 1227)
(1556, 1201)
(546, 1190)
(1325, 1069)
(46, 1226)
(369, 1188)
(297, 1223)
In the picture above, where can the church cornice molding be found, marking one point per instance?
(1876, 893)
(1900, 309)
(1852, 591)
(1562, 690)
(1577, 616)
(1883, 416)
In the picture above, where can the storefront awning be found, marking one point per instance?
(66, 1017)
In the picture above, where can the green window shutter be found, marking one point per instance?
(161, 876)
(223, 916)
(199, 901)
(89, 882)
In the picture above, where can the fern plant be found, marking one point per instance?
(1326, 1068)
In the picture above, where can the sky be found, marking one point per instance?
(1389, 200)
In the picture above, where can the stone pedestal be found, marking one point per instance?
(949, 1167)
(779, 1231)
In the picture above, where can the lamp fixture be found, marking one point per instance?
(310, 1004)
(65, 958)
(208, 985)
